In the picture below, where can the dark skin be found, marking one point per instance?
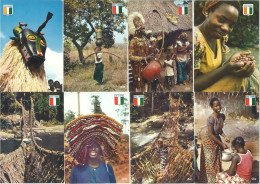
(235, 160)
(216, 107)
(93, 155)
(216, 25)
(182, 50)
(166, 64)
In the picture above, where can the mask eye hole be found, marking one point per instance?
(43, 43)
(31, 38)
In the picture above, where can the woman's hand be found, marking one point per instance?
(241, 68)
(238, 54)
(246, 71)
(227, 139)
(224, 146)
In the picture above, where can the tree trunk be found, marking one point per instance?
(81, 56)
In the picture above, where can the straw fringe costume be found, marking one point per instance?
(138, 49)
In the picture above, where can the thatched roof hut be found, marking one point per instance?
(166, 8)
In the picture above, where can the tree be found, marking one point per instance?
(81, 17)
(8, 104)
(69, 116)
(96, 105)
(123, 113)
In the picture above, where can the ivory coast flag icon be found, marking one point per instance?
(119, 99)
(250, 100)
(183, 9)
(248, 9)
(8, 9)
(138, 100)
(54, 100)
(116, 8)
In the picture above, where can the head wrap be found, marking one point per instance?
(209, 4)
(85, 130)
(183, 35)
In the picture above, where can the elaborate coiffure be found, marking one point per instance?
(131, 25)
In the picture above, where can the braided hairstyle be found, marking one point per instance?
(239, 141)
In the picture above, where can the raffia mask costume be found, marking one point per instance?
(33, 48)
(32, 44)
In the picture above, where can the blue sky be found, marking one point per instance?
(33, 12)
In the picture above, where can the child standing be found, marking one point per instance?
(169, 71)
(98, 74)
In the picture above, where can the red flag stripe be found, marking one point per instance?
(136, 101)
(51, 101)
(247, 101)
(114, 9)
(180, 10)
(116, 100)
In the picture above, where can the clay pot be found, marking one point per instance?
(152, 70)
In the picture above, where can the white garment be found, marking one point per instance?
(98, 58)
(168, 69)
(182, 57)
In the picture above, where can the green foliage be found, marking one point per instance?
(4, 124)
(52, 122)
(43, 111)
(8, 104)
(95, 101)
(245, 32)
(67, 64)
(81, 17)
(69, 116)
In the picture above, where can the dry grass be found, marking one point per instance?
(16, 77)
(115, 71)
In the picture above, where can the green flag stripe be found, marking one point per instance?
(120, 9)
(10, 11)
(122, 100)
(141, 101)
(57, 101)
(250, 10)
(253, 101)
(186, 10)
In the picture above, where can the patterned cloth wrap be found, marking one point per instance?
(84, 130)
(223, 177)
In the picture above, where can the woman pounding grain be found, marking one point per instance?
(212, 71)
(210, 160)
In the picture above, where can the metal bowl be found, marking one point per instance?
(226, 156)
